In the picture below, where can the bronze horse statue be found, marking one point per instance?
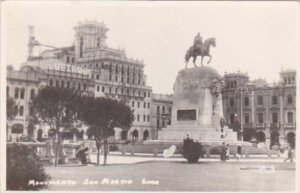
(202, 51)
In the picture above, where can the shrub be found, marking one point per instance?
(113, 147)
(23, 165)
(191, 150)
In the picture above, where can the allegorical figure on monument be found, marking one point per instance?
(199, 48)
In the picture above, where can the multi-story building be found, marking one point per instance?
(261, 111)
(161, 110)
(90, 65)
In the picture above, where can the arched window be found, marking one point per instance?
(51, 82)
(57, 83)
(84, 86)
(68, 84)
(79, 86)
(62, 84)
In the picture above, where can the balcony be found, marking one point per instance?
(274, 125)
(260, 125)
(290, 125)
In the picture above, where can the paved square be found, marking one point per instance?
(177, 176)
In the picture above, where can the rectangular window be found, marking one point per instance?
(98, 88)
(246, 119)
(290, 117)
(97, 76)
(260, 118)
(231, 101)
(148, 118)
(138, 118)
(21, 111)
(7, 91)
(144, 105)
(148, 94)
(138, 105)
(22, 93)
(145, 94)
(163, 109)
(31, 111)
(274, 118)
(157, 123)
(274, 100)
(103, 89)
(144, 118)
(32, 93)
(246, 101)
(116, 78)
(290, 99)
(260, 100)
(132, 104)
(148, 105)
(109, 90)
(157, 110)
(231, 118)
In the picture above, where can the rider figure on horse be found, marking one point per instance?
(197, 41)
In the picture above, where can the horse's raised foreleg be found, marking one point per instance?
(210, 57)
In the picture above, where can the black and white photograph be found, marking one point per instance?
(149, 96)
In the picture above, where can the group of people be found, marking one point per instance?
(225, 152)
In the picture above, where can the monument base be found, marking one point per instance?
(197, 133)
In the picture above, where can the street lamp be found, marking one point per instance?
(244, 88)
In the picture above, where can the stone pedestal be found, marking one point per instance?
(197, 107)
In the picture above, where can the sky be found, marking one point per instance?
(260, 38)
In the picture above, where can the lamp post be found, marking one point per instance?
(241, 90)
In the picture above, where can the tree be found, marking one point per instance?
(11, 109)
(23, 166)
(103, 115)
(56, 107)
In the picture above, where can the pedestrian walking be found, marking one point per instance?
(227, 151)
(238, 152)
(223, 152)
(289, 154)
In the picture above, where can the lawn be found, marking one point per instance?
(176, 176)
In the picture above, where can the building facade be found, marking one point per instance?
(161, 110)
(91, 66)
(259, 111)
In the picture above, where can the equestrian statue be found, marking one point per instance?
(199, 48)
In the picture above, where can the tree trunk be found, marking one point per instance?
(98, 146)
(105, 151)
(56, 150)
(98, 156)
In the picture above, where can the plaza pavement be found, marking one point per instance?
(118, 158)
